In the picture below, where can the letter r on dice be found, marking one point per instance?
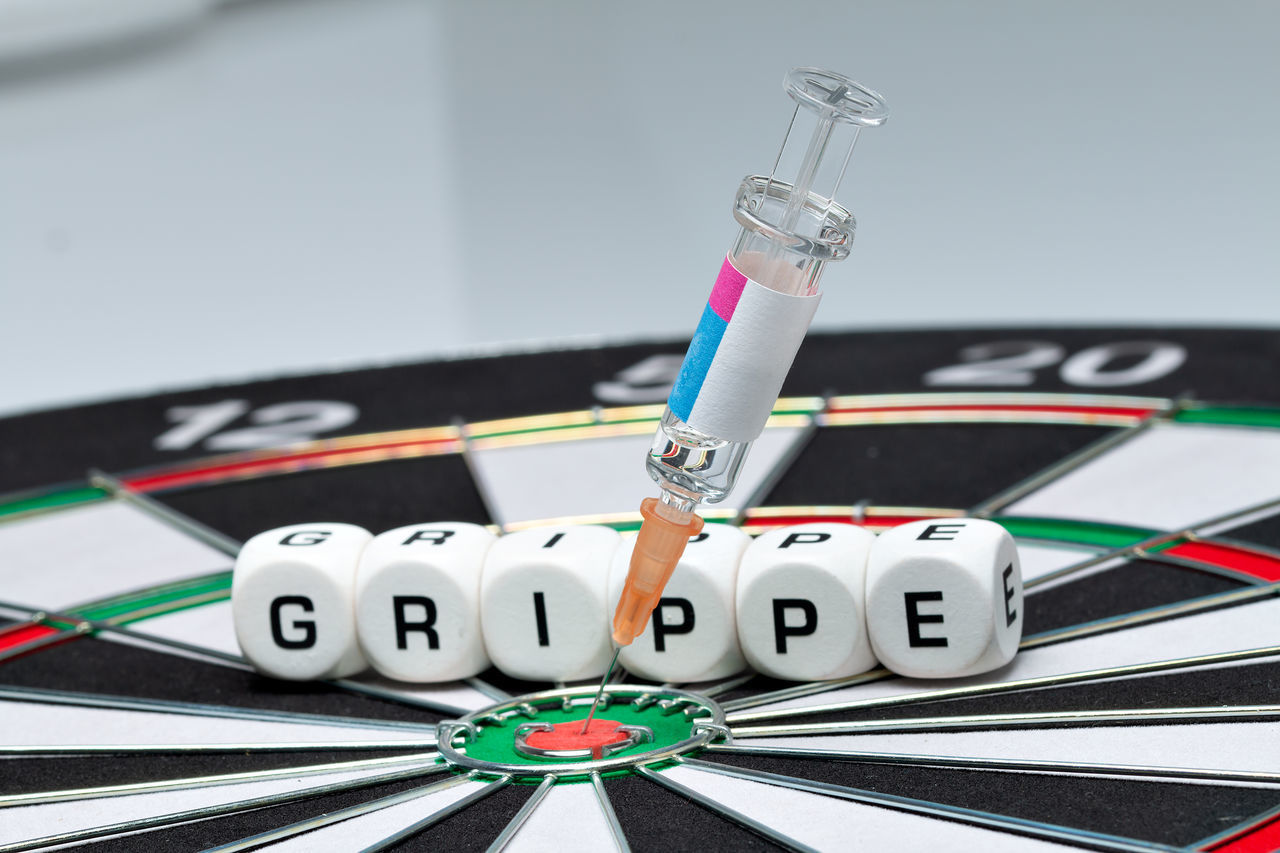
(944, 598)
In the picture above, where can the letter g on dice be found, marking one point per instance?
(293, 600)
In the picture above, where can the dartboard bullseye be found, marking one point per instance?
(1139, 473)
(542, 733)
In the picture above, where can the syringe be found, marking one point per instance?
(754, 322)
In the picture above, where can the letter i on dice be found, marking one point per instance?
(944, 597)
(544, 602)
(418, 601)
(293, 600)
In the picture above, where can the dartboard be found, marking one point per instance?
(1138, 469)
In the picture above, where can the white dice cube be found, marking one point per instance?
(418, 601)
(293, 600)
(800, 602)
(544, 602)
(693, 635)
(945, 597)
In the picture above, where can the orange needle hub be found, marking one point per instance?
(663, 535)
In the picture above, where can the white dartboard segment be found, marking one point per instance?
(99, 550)
(362, 831)
(457, 694)
(1040, 559)
(569, 811)
(35, 821)
(1170, 477)
(829, 823)
(207, 626)
(1243, 747)
(38, 723)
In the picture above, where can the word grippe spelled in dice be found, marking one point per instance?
(437, 602)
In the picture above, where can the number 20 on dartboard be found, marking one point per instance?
(1014, 363)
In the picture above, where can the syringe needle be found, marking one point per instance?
(586, 724)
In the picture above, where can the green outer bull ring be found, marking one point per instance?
(707, 724)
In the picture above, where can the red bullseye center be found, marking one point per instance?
(569, 736)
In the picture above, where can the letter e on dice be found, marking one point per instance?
(944, 597)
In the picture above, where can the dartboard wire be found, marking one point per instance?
(718, 808)
(714, 690)
(168, 706)
(215, 810)
(200, 782)
(736, 710)
(497, 694)
(779, 467)
(1239, 831)
(128, 606)
(73, 493)
(1143, 548)
(438, 815)
(1177, 562)
(988, 820)
(59, 749)
(43, 642)
(175, 587)
(610, 816)
(526, 811)
(1261, 515)
(82, 626)
(195, 529)
(230, 546)
(1154, 772)
(1159, 613)
(1072, 461)
(85, 626)
(482, 488)
(1038, 719)
(290, 830)
(1100, 626)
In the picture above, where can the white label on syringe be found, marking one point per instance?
(739, 357)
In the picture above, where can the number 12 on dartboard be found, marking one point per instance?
(274, 425)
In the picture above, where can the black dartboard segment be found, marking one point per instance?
(1139, 470)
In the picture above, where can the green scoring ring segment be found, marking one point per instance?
(484, 740)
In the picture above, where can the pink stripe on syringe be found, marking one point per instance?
(727, 291)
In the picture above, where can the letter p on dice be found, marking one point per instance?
(944, 598)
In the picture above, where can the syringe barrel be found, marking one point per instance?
(722, 400)
(765, 295)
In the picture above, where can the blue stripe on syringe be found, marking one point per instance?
(697, 361)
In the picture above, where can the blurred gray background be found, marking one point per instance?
(290, 185)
